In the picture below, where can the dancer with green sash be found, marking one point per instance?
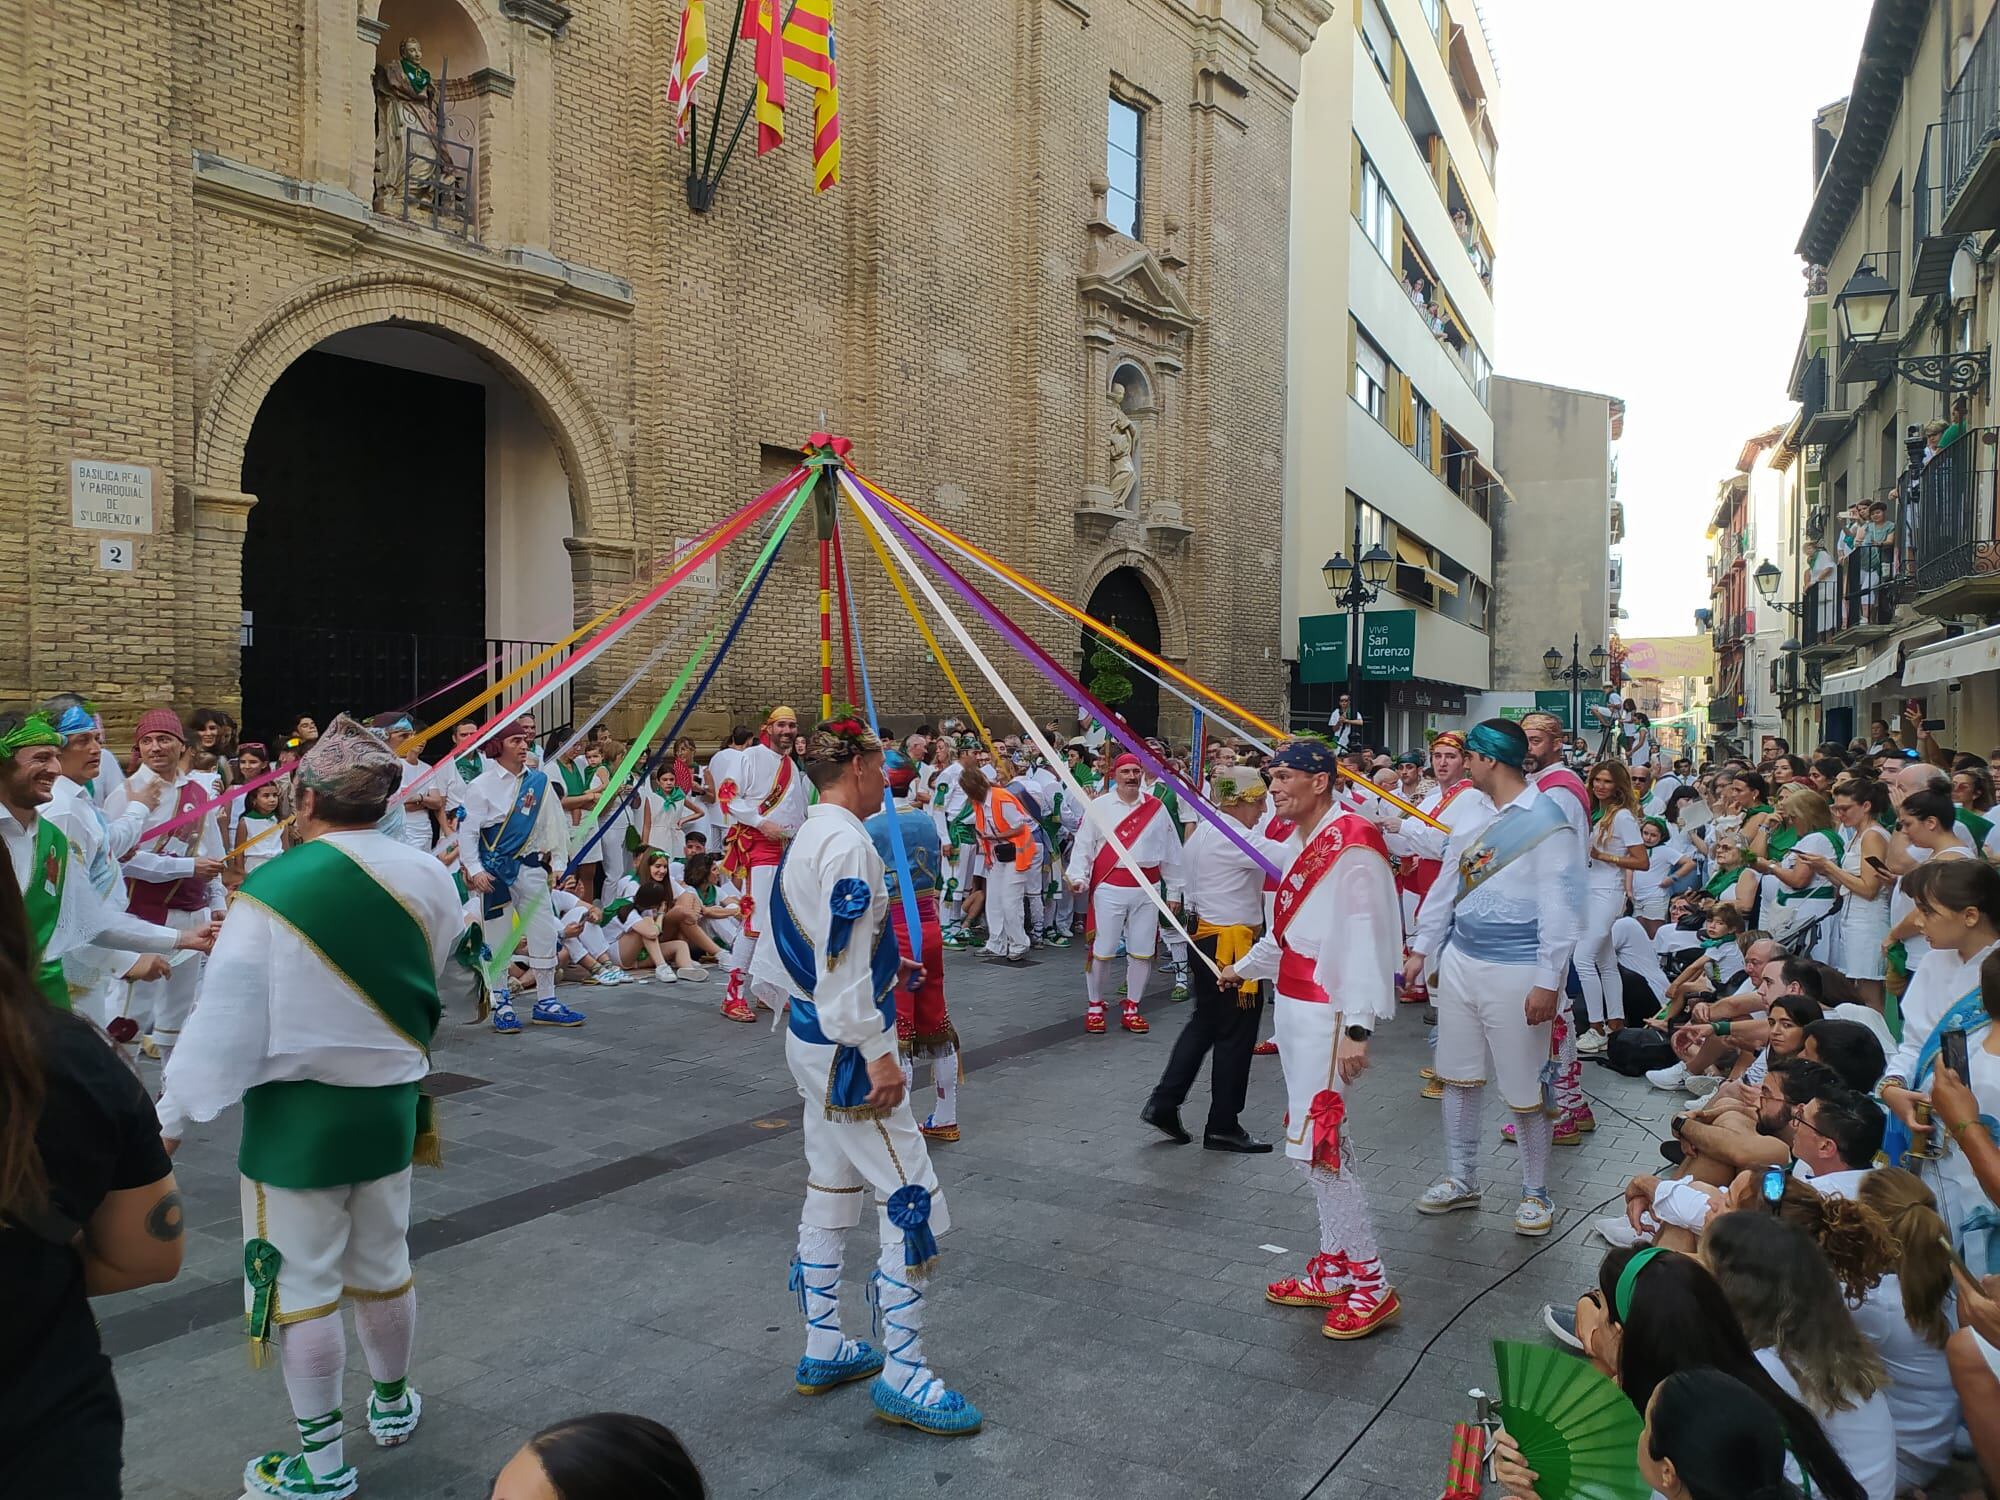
(65, 912)
(317, 1012)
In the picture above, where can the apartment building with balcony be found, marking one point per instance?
(1389, 431)
(1891, 561)
(1754, 652)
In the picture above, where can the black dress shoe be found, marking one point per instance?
(1673, 1151)
(1167, 1121)
(1238, 1139)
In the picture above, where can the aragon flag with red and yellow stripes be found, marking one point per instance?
(809, 58)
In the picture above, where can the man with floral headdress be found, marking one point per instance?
(832, 957)
(317, 1013)
(1331, 950)
(176, 875)
(923, 1025)
(512, 842)
(66, 913)
(764, 803)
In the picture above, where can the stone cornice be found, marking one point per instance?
(339, 221)
(544, 15)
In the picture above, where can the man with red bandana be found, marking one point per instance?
(1545, 751)
(764, 802)
(1331, 947)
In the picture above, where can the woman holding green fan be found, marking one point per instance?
(1652, 1315)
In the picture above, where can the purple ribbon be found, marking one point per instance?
(1060, 676)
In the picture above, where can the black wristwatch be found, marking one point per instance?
(1358, 1033)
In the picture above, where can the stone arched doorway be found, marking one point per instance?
(476, 478)
(1123, 601)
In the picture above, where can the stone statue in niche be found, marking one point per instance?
(406, 101)
(1124, 444)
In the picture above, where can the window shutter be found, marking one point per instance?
(1354, 179)
(1437, 442)
(1406, 416)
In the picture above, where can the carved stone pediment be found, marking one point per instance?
(1138, 286)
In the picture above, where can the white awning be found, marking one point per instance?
(1962, 656)
(1877, 668)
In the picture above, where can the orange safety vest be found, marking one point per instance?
(1021, 834)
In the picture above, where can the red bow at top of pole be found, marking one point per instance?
(821, 442)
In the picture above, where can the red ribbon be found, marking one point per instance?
(1328, 1110)
(823, 442)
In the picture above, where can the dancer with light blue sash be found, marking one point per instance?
(834, 962)
(1498, 927)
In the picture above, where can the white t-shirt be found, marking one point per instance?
(1636, 952)
(1611, 836)
(1652, 881)
(1863, 1436)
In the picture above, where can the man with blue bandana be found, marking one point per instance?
(1497, 928)
(1331, 947)
(831, 959)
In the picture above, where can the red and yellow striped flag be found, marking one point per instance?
(761, 25)
(809, 58)
(690, 66)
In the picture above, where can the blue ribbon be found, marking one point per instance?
(645, 772)
(851, 897)
(898, 845)
(909, 1209)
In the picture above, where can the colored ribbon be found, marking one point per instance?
(898, 846)
(761, 572)
(1109, 632)
(438, 692)
(885, 525)
(846, 612)
(930, 640)
(1062, 679)
(201, 810)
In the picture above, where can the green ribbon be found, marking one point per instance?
(686, 674)
(260, 1268)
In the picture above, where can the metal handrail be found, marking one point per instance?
(1950, 520)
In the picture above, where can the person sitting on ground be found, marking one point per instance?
(1709, 1437)
(669, 957)
(1724, 1138)
(720, 903)
(586, 944)
(1655, 1313)
(1789, 1305)
(604, 1456)
(1852, 1049)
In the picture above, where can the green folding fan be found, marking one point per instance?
(1575, 1428)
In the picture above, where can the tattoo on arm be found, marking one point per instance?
(163, 1219)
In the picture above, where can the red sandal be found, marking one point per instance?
(1347, 1320)
(1325, 1284)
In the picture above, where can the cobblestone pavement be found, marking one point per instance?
(613, 1223)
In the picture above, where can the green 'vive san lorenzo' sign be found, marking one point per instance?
(1388, 646)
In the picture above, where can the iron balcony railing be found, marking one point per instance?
(1819, 616)
(1971, 113)
(1949, 528)
(1812, 389)
(1869, 586)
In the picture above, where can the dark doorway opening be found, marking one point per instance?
(364, 564)
(1123, 602)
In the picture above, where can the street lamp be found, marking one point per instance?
(1766, 578)
(1864, 305)
(1354, 594)
(1576, 674)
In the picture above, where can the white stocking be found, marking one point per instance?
(1534, 1133)
(314, 1353)
(944, 1072)
(816, 1279)
(1093, 981)
(1136, 972)
(1461, 1131)
(387, 1328)
(1344, 1224)
(899, 1317)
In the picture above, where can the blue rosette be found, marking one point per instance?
(909, 1209)
(850, 898)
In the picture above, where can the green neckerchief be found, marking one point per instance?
(1778, 842)
(48, 868)
(575, 775)
(470, 765)
(418, 78)
(1976, 824)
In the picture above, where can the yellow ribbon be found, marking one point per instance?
(903, 593)
(1231, 943)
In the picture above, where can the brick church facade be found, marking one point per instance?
(384, 424)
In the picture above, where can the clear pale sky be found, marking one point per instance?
(1655, 170)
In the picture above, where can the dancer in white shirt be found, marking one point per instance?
(1120, 910)
(764, 799)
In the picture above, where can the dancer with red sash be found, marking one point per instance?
(764, 802)
(1418, 847)
(1545, 751)
(923, 1025)
(1332, 945)
(1120, 910)
(175, 880)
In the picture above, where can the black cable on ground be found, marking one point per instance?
(1479, 1296)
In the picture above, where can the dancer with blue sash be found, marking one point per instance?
(512, 835)
(834, 960)
(1498, 928)
(1960, 902)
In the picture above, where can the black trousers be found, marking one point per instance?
(1215, 1024)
